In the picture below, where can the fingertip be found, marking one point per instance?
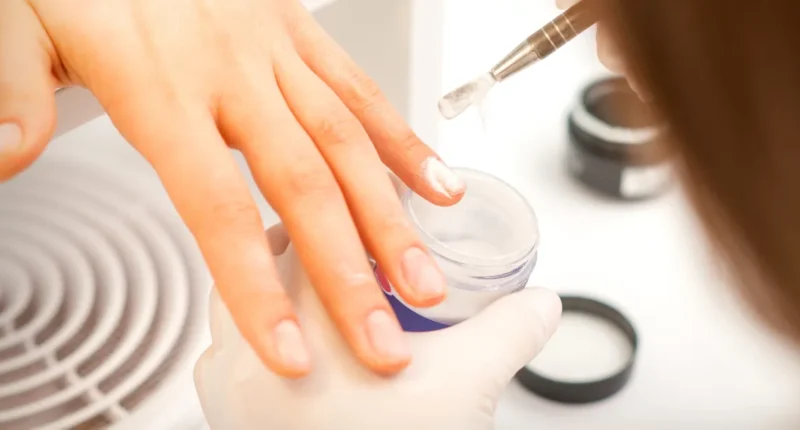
(441, 179)
(451, 200)
(267, 322)
(546, 304)
(423, 283)
(23, 141)
(437, 183)
(288, 372)
(10, 136)
(420, 300)
(419, 293)
(607, 51)
(640, 91)
(392, 369)
(425, 302)
(27, 105)
(291, 345)
(282, 349)
(387, 351)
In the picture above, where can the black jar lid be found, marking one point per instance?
(592, 389)
(610, 121)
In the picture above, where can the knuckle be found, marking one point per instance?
(349, 294)
(410, 143)
(355, 293)
(365, 94)
(359, 282)
(336, 129)
(393, 226)
(351, 279)
(310, 180)
(229, 211)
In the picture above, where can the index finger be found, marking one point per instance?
(414, 162)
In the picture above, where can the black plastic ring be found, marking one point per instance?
(615, 155)
(609, 138)
(590, 391)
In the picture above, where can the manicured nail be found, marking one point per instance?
(421, 273)
(441, 178)
(291, 346)
(387, 337)
(10, 137)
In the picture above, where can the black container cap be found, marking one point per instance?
(592, 390)
(610, 121)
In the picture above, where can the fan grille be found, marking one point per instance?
(101, 297)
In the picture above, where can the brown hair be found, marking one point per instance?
(725, 76)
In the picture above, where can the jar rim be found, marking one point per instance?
(442, 250)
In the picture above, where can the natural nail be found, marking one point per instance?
(441, 178)
(10, 137)
(386, 336)
(421, 273)
(291, 346)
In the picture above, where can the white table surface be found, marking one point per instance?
(703, 361)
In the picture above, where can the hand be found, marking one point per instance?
(608, 52)
(454, 382)
(186, 81)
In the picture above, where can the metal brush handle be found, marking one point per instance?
(548, 39)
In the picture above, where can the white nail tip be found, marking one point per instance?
(441, 178)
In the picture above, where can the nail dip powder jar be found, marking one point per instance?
(613, 143)
(486, 246)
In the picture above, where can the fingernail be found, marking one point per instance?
(386, 336)
(10, 137)
(291, 346)
(421, 273)
(441, 178)
(548, 306)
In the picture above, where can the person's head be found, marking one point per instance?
(726, 78)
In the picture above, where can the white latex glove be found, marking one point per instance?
(453, 382)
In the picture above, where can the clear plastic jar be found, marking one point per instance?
(486, 246)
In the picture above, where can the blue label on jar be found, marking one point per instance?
(409, 320)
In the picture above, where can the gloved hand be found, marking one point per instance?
(608, 52)
(185, 81)
(454, 381)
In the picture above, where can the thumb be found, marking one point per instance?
(27, 88)
(506, 335)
